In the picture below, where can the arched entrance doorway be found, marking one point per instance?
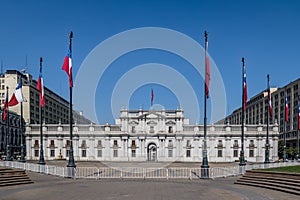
(152, 152)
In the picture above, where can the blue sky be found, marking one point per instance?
(266, 33)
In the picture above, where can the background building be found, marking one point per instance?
(56, 109)
(152, 135)
(11, 136)
(257, 108)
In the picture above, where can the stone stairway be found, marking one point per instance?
(280, 181)
(9, 177)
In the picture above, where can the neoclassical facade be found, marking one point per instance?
(151, 135)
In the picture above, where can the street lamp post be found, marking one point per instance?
(267, 112)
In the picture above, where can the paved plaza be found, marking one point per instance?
(51, 187)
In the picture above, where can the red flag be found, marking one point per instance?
(152, 96)
(207, 76)
(40, 87)
(207, 67)
(4, 115)
(286, 110)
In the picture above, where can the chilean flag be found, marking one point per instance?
(270, 102)
(207, 67)
(17, 96)
(40, 87)
(245, 91)
(67, 67)
(286, 110)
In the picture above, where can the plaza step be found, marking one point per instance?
(9, 177)
(280, 181)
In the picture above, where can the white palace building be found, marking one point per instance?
(151, 135)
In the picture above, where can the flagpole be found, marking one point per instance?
(242, 156)
(268, 112)
(71, 162)
(297, 144)
(22, 159)
(8, 136)
(204, 166)
(284, 128)
(41, 160)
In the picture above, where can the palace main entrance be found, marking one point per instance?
(152, 152)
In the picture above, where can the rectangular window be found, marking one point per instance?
(115, 143)
(83, 153)
(68, 144)
(52, 153)
(235, 153)
(133, 144)
(151, 129)
(36, 143)
(220, 144)
(83, 144)
(99, 143)
(188, 153)
(36, 153)
(67, 153)
(188, 143)
(133, 153)
(235, 144)
(52, 143)
(170, 153)
(115, 153)
(251, 153)
(133, 129)
(220, 153)
(99, 152)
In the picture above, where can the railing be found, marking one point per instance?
(139, 172)
(46, 169)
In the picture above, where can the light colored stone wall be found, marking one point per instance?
(174, 144)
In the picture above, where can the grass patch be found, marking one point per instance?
(293, 169)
